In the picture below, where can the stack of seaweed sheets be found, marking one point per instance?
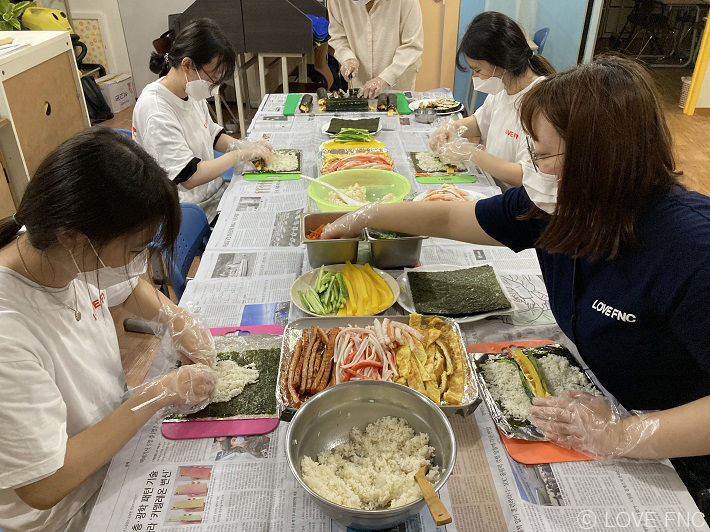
(457, 293)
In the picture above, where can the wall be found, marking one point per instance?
(143, 22)
(565, 18)
(111, 20)
(704, 96)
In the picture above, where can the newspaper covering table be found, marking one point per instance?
(244, 484)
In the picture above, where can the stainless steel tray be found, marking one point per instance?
(471, 398)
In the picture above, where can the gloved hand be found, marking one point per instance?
(445, 134)
(251, 150)
(190, 336)
(593, 426)
(458, 151)
(373, 88)
(349, 69)
(351, 224)
(182, 391)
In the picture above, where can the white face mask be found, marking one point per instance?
(541, 187)
(491, 85)
(107, 276)
(200, 89)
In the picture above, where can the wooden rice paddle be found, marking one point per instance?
(437, 509)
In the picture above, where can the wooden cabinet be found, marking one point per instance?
(41, 97)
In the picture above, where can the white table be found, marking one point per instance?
(259, 493)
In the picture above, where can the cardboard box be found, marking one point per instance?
(118, 91)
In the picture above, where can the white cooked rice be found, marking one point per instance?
(374, 469)
(429, 162)
(504, 383)
(507, 389)
(231, 380)
(356, 191)
(283, 162)
(561, 376)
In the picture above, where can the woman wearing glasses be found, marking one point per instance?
(625, 254)
(503, 65)
(171, 119)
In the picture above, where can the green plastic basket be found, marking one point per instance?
(379, 183)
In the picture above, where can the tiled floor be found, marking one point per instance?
(137, 350)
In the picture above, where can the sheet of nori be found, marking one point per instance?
(370, 124)
(256, 399)
(457, 293)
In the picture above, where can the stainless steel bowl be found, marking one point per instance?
(424, 115)
(325, 420)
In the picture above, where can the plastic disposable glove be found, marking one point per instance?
(351, 224)
(446, 134)
(182, 391)
(251, 150)
(190, 336)
(459, 150)
(592, 425)
(349, 69)
(373, 88)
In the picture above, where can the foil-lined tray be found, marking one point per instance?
(512, 427)
(323, 154)
(471, 398)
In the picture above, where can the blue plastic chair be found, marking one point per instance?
(540, 37)
(190, 244)
(124, 132)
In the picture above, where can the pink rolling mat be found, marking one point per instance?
(227, 427)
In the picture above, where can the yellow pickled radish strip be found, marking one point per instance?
(531, 375)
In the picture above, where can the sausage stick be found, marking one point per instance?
(328, 363)
(291, 390)
(311, 363)
(306, 357)
(299, 362)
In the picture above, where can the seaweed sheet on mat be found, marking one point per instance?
(370, 124)
(258, 400)
(463, 292)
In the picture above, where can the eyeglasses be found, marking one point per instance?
(534, 157)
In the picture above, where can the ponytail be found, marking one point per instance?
(541, 66)
(159, 64)
(9, 228)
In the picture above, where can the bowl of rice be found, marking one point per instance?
(355, 449)
(362, 184)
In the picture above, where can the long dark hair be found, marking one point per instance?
(202, 41)
(619, 156)
(100, 184)
(497, 39)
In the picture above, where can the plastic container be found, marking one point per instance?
(320, 252)
(379, 183)
(392, 253)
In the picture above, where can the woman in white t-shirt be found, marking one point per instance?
(496, 50)
(90, 211)
(172, 122)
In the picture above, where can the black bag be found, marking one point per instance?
(95, 102)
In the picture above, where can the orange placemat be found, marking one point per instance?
(524, 451)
